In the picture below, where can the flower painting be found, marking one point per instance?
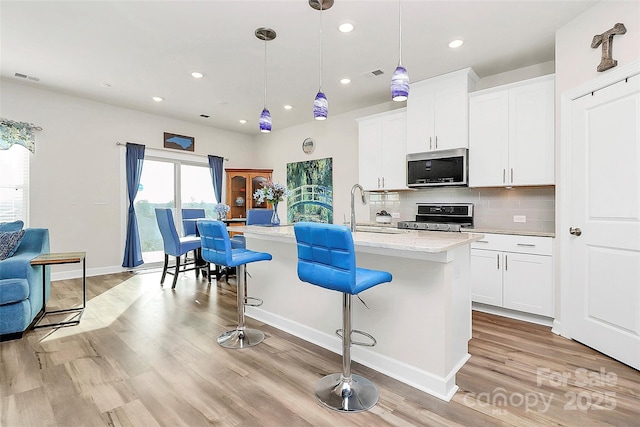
(311, 191)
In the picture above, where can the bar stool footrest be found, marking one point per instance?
(258, 301)
(355, 331)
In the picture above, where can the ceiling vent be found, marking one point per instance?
(24, 76)
(377, 72)
(204, 116)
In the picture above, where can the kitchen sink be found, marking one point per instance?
(382, 230)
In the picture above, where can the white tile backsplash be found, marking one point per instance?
(494, 207)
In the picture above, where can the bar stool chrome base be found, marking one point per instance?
(241, 339)
(338, 393)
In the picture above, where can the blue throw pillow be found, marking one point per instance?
(9, 243)
(11, 226)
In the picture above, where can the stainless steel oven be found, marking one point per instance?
(441, 217)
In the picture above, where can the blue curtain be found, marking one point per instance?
(215, 167)
(132, 250)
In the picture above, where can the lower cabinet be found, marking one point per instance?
(514, 272)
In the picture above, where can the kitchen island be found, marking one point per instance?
(421, 320)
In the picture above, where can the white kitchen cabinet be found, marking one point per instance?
(512, 134)
(382, 151)
(514, 272)
(437, 112)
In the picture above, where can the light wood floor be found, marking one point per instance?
(147, 356)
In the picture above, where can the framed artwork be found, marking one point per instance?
(311, 186)
(179, 142)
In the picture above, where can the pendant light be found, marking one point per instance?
(266, 34)
(320, 103)
(400, 79)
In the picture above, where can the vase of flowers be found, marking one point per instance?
(221, 210)
(272, 192)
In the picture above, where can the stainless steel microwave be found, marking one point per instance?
(438, 168)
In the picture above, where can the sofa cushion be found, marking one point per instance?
(9, 242)
(11, 226)
(13, 290)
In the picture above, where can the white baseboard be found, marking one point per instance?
(441, 387)
(513, 314)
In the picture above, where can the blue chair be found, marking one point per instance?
(176, 246)
(216, 249)
(254, 217)
(326, 258)
(189, 227)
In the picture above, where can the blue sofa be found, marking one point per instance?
(21, 284)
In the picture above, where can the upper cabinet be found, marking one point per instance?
(437, 112)
(382, 151)
(512, 134)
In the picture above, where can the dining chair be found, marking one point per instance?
(189, 227)
(254, 217)
(176, 246)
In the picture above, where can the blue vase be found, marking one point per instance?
(275, 219)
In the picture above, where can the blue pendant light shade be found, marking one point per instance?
(400, 79)
(400, 84)
(265, 121)
(320, 107)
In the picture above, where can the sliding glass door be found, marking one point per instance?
(171, 184)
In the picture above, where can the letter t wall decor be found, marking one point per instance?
(606, 40)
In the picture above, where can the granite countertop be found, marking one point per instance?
(379, 237)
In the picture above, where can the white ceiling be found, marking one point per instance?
(149, 48)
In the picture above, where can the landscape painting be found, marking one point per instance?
(311, 186)
(179, 142)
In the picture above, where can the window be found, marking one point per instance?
(169, 183)
(14, 184)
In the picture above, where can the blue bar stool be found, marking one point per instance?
(216, 249)
(326, 258)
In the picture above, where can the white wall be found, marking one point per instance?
(336, 137)
(576, 64)
(76, 176)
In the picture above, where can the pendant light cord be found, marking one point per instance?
(320, 77)
(400, 32)
(265, 73)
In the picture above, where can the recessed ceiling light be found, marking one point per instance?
(197, 75)
(158, 98)
(345, 81)
(456, 43)
(346, 27)
(288, 107)
(243, 121)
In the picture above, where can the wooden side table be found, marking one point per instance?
(55, 259)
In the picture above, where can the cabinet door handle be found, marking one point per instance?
(498, 260)
(512, 175)
(527, 245)
(378, 182)
(506, 262)
(436, 142)
(482, 241)
(504, 171)
(430, 145)
(383, 182)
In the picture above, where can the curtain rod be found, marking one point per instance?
(173, 151)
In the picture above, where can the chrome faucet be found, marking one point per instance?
(353, 207)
